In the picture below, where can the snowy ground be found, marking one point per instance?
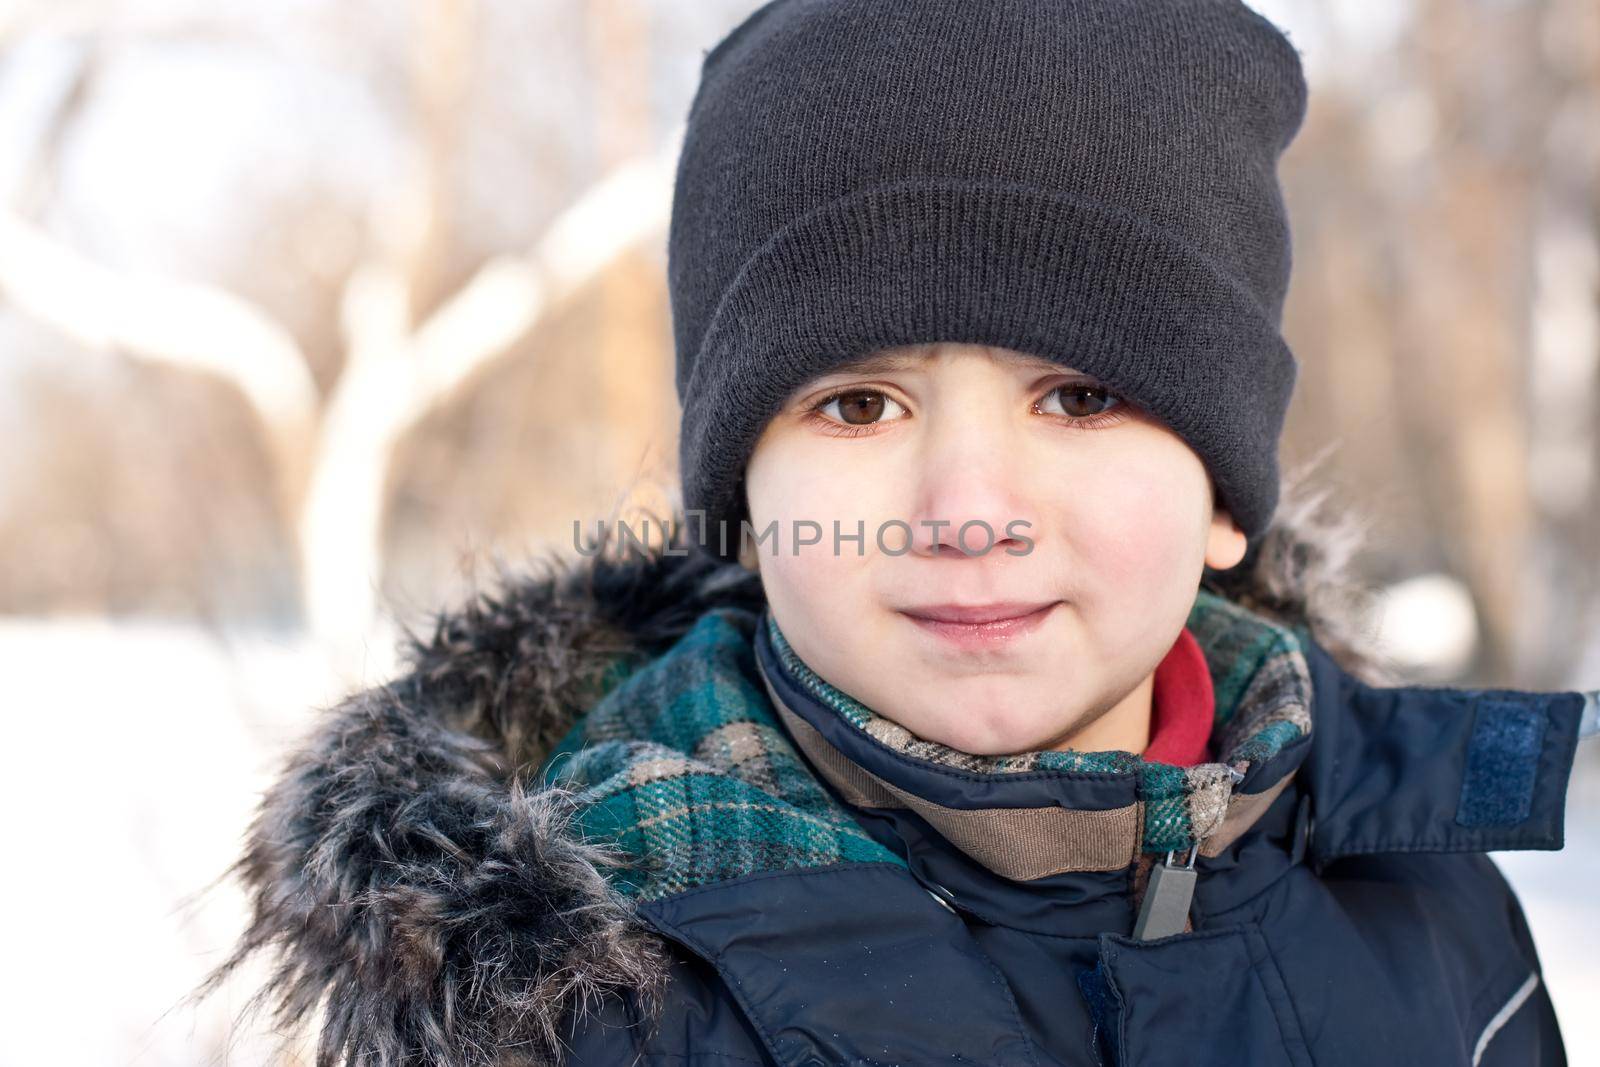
(134, 755)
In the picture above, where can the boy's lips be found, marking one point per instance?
(978, 613)
(980, 625)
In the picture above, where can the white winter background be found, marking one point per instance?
(312, 313)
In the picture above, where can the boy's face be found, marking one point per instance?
(1118, 508)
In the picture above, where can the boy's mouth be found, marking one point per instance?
(980, 625)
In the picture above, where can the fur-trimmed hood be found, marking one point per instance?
(437, 911)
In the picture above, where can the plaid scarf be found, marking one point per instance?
(685, 769)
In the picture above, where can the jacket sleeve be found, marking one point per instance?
(1523, 1032)
(1520, 1027)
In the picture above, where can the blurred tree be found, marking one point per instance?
(407, 352)
(1435, 177)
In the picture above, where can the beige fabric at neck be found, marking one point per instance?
(1022, 844)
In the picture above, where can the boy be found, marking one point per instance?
(1114, 789)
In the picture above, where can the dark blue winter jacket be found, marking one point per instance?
(1354, 920)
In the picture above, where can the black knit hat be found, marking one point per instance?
(1089, 181)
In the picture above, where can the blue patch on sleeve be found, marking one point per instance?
(1502, 763)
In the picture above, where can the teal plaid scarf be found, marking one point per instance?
(685, 768)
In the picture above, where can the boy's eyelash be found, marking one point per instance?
(1087, 422)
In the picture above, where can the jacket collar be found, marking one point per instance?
(1388, 768)
(1036, 814)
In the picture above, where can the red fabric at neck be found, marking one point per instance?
(1183, 706)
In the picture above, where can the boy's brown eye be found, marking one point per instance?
(860, 408)
(1081, 401)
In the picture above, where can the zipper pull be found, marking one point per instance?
(1170, 889)
(1167, 896)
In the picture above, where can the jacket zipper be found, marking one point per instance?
(1170, 890)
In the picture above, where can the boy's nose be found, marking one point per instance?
(969, 489)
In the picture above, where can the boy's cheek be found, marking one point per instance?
(802, 501)
(1134, 529)
(815, 584)
(1134, 548)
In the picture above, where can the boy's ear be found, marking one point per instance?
(1226, 544)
